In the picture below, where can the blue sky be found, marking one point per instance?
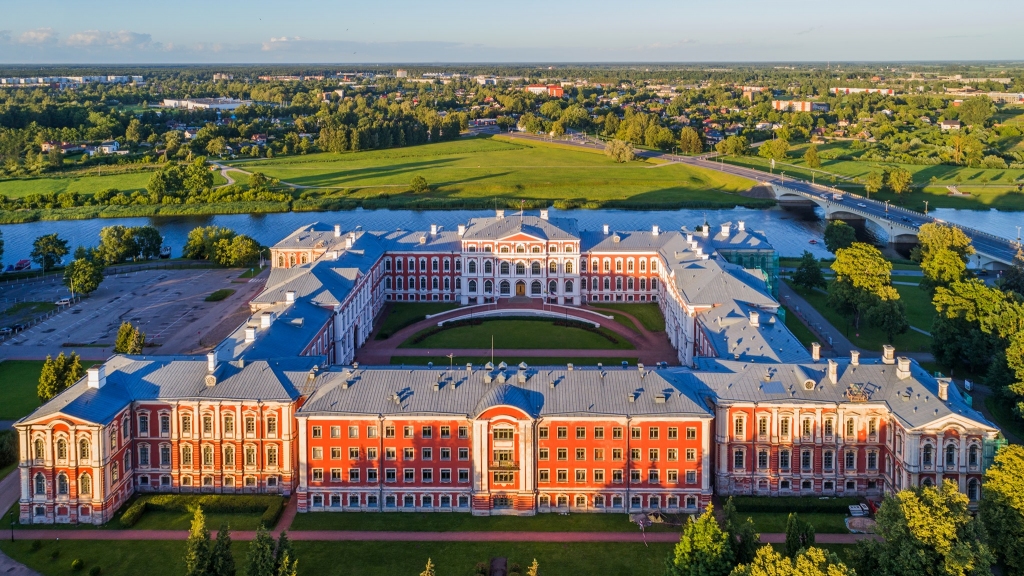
(308, 31)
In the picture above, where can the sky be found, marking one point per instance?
(537, 31)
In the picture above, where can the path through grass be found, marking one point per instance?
(520, 335)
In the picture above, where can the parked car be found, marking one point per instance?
(6, 330)
(18, 327)
(63, 302)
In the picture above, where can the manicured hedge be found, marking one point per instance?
(785, 504)
(269, 507)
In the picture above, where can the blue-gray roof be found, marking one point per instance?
(495, 228)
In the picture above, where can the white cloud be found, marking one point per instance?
(117, 40)
(37, 36)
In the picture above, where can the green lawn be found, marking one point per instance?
(174, 520)
(920, 310)
(992, 188)
(802, 333)
(8, 469)
(648, 314)
(18, 382)
(775, 523)
(253, 272)
(866, 336)
(442, 360)
(164, 558)
(27, 309)
(520, 335)
(465, 522)
(484, 168)
(1002, 413)
(219, 295)
(83, 184)
(399, 315)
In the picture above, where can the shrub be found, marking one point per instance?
(55, 554)
(270, 507)
(36, 545)
(481, 569)
(95, 571)
(77, 565)
(272, 513)
(220, 295)
(133, 513)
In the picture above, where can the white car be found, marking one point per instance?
(862, 205)
(63, 302)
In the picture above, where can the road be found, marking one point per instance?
(997, 248)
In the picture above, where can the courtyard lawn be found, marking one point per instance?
(83, 184)
(866, 336)
(802, 333)
(399, 315)
(775, 522)
(520, 335)
(182, 520)
(920, 310)
(648, 314)
(499, 167)
(19, 380)
(164, 558)
(478, 361)
(465, 522)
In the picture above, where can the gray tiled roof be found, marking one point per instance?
(494, 228)
(136, 378)
(729, 328)
(294, 327)
(312, 235)
(627, 241)
(582, 391)
(710, 282)
(736, 240)
(914, 400)
(410, 241)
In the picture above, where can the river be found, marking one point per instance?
(788, 231)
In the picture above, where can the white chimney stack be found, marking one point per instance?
(266, 319)
(289, 296)
(250, 334)
(337, 230)
(854, 358)
(433, 229)
(543, 213)
(211, 361)
(706, 230)
(462, 229)
(741, 226)
(654, 230)
(903, 367)
(499, 214)
(725, 229)
(689, 238)
(815, 351)
(943, 389)
(755, 319)
(348, 244)
(888, 354)
(833, 371)
(605, 229)
(97, 376)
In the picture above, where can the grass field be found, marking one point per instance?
(218, 295)
(992, 188)
(866, 336)
(18, 382)
(164, 558)
(88, 184)
(802, 333)
(399, 315)
(442, 360)
(520, 335)
(648, 314)
(920, 310)
(465, 522)
(1002, 413)
(482, 168)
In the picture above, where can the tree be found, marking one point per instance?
(198, 176)
(811, 157)
(1013, 278)
(839, 235)
(890, 316)
(419, 184)
(58, 374)
(117, 244)
(1, 248)
(201, 241)
(48, 250)
(799, 535)
(238, 252)
(222, 562)
(809, 562)
(873, 183)
(774, 149)
(429, 570)
(926, 530)
(148, 241)
(557, 130)
(284, 554)
(197, 547)
(899, 180)
(534, 569)
(215, 147)
(133, 133)
(1002, 507)
(620, 151)
(976, 111)
(863, 279)
(129, 339)
(83, 276)
(261, 554)
(943, 251)
(703, 549)
(808, 275)
(742, 534)
(690, 142)
(735, 145)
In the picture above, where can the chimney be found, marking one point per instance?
(289, 296)
(706, 230)
(943, 388)
(833, 371)
(499, 214)
(543, 213)
(250, 334)
(337, 230)
(654, 230)
(462, 229)
(725, 229)
(605, 229)
(211, 361)
(689, 238)
(97, 376)
(903, 367)
(741, 226)
(700, 251)
(423, 239)
(755, 319)
(352, 236)
(854, 358)
(569, 367)
(815, 351)
(888, 354)
(433, 229)
(266, 319)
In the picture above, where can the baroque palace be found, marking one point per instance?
(280, 406)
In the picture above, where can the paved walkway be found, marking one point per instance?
(650, 347)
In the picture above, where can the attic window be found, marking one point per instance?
(808, 384)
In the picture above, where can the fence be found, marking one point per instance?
(110, 271)
(25, 325)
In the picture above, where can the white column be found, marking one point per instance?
(526, 456)
(480, 448)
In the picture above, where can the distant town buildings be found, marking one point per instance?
(67, 81)
(553, 90)
(886, 91)
(799, 106)
(205, 103)
(401, 73)
(218, 77)
(949, 125)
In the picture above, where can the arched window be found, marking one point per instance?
(849, 427)
(828, 427)
(40, 448)
(629, 283)
(62, 484)
(654, 283)
(433, 283)
(272, 426)
(553, 267)
(488, 287)
(186, 424)
(521, 269)
(291, 260)
(115, 472)
(950, 456)
(304, 258)
(618, 283)
(552, 287)
(471, 267)
(926, 455)
(186, 455)
(972, 489)
(643, 283)
(250, 455)
(40, 484)
(629, 265)
(643, 265)
(62, 449)
(272, 456)
(972, 455)
(607, 283)
(520, 249)
(83, 450)
(207, 455)
(568, 286)
(399, 282)
(504, 288)
(926, 482)
(568, 267)
(387, 283)
(535, 288)
(85, 484)
(488, 267)
(654, 265)
(472, 285)
(503, 250)
(458, 283)
(280, 260)
(827, 460)
(504, 268)
(229, 455)
(535, 249)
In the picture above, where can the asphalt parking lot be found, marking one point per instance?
(165, 304)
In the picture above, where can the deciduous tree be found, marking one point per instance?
(1002, 507)
(808, 275)
(237, 252)
(839, 235)
(703, 549)
(201, 241)
(809, 562)
(873, 182)
(863, 279)
(619, 150)
(689, 141)
(899, 180)
(811, 157)
(419, 184)
(48, 250)
(943, 251)
(83, 276)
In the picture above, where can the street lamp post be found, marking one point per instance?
(925, 206)
(886, 206)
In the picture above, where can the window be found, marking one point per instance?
(652, 454)
(972, 489)
(353, 453)
(581, 433)
(653, 476)
(389, 431)
(62, 449)
(336, 453)
(849, 427)
(353, 474)
(691, 454)
(926, 455)
(505, 433)
(463, 453)
(463, 475)
(542, 433)
(544, 475)
(250, 426)
(673, 433)
(581, 475)
(737, 428)
(427, 453)
(143, 424)
(562, 475)
(672, 454)
(872, 460)
(115, 472)
(62, 484)
(353, 432)
(950, 456)
(446, 453)
(784, 459)
(207, 424)
(616, 433)
(634, 454)
(617, 454)
(563, 453)
(617, 476)
(653, 433)
(409, 474)
(581, 454)
(737, 460)
(827, 459)
(851, 461)
(543, 454)
(762, 459)
(634, 476)
(318, 453)
(972, 455)
(144, 455)
(40, 485)
(85, 484)
(407, 432)
(207, 455)
(563, 432)
(691, 433)
(318, 474)
(634, 433)
(408, 454)
(828, 427)
(390, 475)
(807, 428)
(599, 476)
(186, 455)
(784, 427)
(446, 431)
(762, 426)
(806, 459)
(229, 456)
(250, 455)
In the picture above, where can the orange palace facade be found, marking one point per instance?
(281, 406)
